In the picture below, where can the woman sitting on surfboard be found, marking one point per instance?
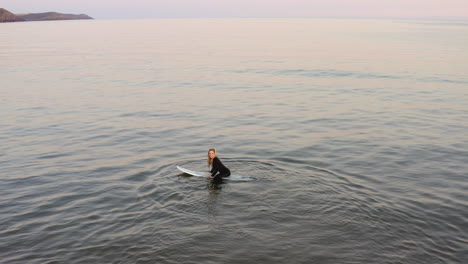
(217, 166)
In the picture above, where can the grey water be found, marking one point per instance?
(355, 132)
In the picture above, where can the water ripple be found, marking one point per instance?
(330, 73)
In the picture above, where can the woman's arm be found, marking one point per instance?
(215, 165)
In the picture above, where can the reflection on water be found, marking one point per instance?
(214, 191)
(215, 186)
(353, 130)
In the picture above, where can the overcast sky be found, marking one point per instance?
(121, 9)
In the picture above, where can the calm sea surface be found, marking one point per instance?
(355, 132)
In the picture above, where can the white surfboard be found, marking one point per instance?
(233, 177)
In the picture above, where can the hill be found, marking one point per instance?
(7, 16)
(52, 16)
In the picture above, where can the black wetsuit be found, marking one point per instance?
(218, 166)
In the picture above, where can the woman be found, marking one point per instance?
(217, 166)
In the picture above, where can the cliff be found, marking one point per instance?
(6, 16)
(52, 16)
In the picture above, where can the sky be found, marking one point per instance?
(133, 9)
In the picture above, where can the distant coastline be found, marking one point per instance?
(7, 16)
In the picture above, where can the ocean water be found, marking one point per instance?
(355, 132)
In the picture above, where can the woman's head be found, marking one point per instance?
(211, 155)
